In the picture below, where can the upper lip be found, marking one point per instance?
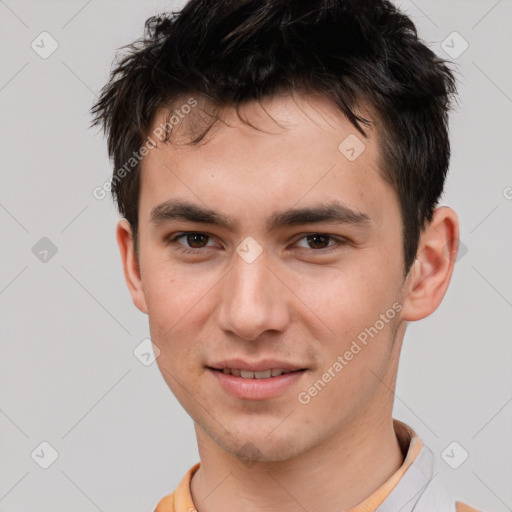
(256, 366)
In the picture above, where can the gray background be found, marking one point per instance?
(68, 375)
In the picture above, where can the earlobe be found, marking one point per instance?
(131, 270)
(432, 270)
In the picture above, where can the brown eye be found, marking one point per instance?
(194, 239)
(318, 240)
(319, 243)
(194, 242)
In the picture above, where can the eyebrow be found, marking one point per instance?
(333, 212)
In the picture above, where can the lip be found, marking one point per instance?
(256, 366)
(257, 389)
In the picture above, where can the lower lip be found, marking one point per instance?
(256, 389)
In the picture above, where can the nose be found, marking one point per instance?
(253, 300)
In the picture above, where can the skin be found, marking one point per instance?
(288, 304)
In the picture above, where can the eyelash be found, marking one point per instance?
(340, 242)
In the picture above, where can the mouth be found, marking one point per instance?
(264, 381)
(263, 374)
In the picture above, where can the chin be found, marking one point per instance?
(252, 446)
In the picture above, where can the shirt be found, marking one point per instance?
(412, 488)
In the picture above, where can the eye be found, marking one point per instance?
(321, 239)
(193, 238)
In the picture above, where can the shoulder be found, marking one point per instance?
(166, 504)
(461, 507)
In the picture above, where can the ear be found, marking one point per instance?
(131, 267)
(432, 270)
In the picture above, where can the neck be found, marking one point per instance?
(354, 464)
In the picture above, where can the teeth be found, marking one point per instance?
(265, 374)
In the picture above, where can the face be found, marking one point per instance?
(316, 292)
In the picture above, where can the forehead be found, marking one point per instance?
(296, 150)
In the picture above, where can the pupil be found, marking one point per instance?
(312, 237)
(192, 236)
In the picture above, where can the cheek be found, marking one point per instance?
(171, 294)
(347, 301)
(177, 301)
(362, 313)
(350, 374)
(168, 302)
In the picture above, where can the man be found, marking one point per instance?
(278, 164)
